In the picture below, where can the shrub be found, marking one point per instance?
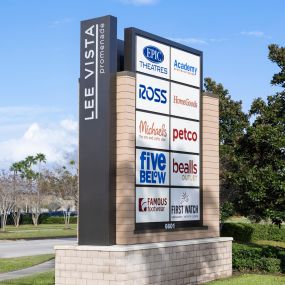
(258, 258)
(59, 220)
(250, 232)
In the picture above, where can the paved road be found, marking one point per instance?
(31, 247)
(47, 266)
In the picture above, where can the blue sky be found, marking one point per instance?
(39, 58)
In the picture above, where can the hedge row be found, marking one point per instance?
(258, 258)
(243, 232)
(45, 218)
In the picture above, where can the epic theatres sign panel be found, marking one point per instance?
(168, 145)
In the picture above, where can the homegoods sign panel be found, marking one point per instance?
(168, 152)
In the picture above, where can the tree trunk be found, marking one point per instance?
(16, 218)
(35, 218)
(3, 218)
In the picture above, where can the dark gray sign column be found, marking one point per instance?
(97, 131)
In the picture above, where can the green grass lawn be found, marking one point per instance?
(41, 231)
(270, 242)
(251, 279)
(17, 263)
(46, 278)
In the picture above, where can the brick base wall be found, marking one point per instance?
(180, 262)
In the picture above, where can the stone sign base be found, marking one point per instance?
(177, 262)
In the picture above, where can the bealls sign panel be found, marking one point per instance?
(152, 94)
(152, 130)
(185, 67)
(152, 167)
(152, 204)
(185, 204)
(152, 57)
(185, 101)
(185, 135)
(185, 169)
(98, 63)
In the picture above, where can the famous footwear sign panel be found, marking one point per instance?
(152, 204)
(152, 94)
(152, 57)
(185, 204)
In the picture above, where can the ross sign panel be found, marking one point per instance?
(98, 63)
(152, 204)
(152, 94)
(168, 106)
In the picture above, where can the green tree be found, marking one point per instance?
(232, 123)
(30, 169)
(262, 149)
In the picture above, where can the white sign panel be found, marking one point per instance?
(185, 67)
(185, 101)
(184, 169)
(152, 167)
(152, 205)
(185, 204)
(185, 135)
(152, 94)
(152, 130)
(152, 57)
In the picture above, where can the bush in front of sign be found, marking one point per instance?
(242, 232)
(258, 258)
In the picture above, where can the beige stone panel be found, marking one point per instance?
(124, 109)
(126, 100)
(210, 130)
(211, 148)
(207, 171)
(126, 80)
(210, 101)
(122, 88)
(211, 137)
(210, 124)
(211, 113)
(126, 116)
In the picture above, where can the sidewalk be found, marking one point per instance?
(46, 266)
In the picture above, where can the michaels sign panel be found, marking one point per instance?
(168, 144)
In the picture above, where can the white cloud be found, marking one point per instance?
(60, 22)
(188, 41)
(56, 142)
(139, 2)
(257, 34)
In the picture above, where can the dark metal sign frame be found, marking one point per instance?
(130, 65)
